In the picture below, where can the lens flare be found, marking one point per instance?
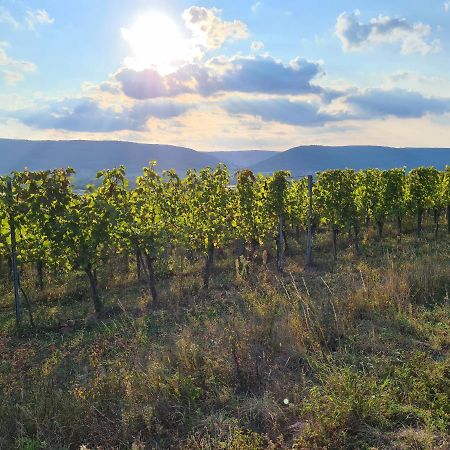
(156, 42)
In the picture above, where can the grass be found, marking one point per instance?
(353, 355)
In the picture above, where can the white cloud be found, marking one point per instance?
(12, 77)
(208, 28)
(31, 19)
(37, 17)
(428, 85)
(86, 114)
(257, 74)
(13, 70)
(412, 37)
(447, 6)
(256, 6)
(8, 18)
(256, 46)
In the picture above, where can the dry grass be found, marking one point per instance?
(353, 355)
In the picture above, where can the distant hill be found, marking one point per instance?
(310, 159)
(88, 157)
(242, 158)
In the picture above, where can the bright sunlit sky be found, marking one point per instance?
(227, 74)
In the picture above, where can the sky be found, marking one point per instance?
(227, 75)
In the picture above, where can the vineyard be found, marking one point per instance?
(57, 229)
(277, 242)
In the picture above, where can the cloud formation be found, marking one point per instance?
(209, 30)
(365, 105)
(87, 115)
(412, 37)
(379, 103)
(256, 6)
(256, 46)
(149, 83)
(13, 70)
(8, 18)
(282, 110)
(37, 17)
(261, 74)
(267, 90)
(31, 19)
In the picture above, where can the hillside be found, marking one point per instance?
(87, 157)
(310, 159)
(243, 158)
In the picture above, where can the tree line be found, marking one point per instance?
(45, 222)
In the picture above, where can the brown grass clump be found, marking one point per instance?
(346, 356)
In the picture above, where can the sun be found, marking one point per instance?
(156, 42)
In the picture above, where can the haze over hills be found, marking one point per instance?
(243, 158)
(87, 157)
(306, 160)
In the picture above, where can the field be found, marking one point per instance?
(353, 354)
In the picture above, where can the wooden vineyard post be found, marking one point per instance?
(15, 269)
(280, 245)
(309, 236)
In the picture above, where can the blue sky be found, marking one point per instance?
(227, 74)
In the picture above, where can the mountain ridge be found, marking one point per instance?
(87, 157)
(304, 160)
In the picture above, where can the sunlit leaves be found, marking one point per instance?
(297, 202)
(208, 211)
(334, 197)
(369, 195)
(394, 192)
(422, 188)
(68, 229)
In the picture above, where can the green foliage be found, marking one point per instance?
(370, 195)
(334, 198)
(4, 227)
(65, 230)
(445, 187)
(207, 214)
(146, 225)
(277, 193)
(92, 220)
(348, 402)
(39, 203)
(250, 212)
(246, 219)
(422, 187)
(298, 202)
(394, 192)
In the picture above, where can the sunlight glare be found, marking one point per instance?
(157, 43)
